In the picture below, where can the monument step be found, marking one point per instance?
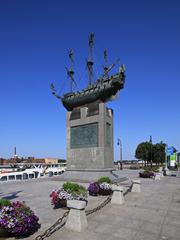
(87, 177)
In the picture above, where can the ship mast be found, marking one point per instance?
(70, 71)
(90, 59)
(105, 61)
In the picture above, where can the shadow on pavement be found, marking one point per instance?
(11, 196)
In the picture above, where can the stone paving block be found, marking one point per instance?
(100, 217)
(124, 233)
(68, 235)
(129, 223)
(105, 228)
(156, 206)
(115, 238)
(174, 213)
(171, 220)
(92, 224)
(108, 219)
(71, 235)
(174, 209)
(171, 232)
(150, 227)
(146, 236)
(145, 216)
(116, 211)
(95, 236)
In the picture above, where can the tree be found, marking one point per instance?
(151, 153)
(144, 152)
(159, 153)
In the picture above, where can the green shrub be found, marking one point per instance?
(74, 188)
(4, 202)
(104, 179)
(134, 166)
(153, 168)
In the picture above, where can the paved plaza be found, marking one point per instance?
(152, 214)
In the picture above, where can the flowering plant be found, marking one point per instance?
(147, 174)
(54, 197)
(64, 194)
(69, 191)
(17, 219)
(59, 197)
(93, 189)
(152, 174)
(102, 188)
(105, 186)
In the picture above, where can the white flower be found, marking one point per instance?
(105, 186)
(65, 195)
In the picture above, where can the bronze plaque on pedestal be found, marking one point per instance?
(84, 136)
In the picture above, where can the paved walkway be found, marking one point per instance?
(151, 215)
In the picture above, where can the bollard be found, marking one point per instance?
(168, 173)
(76, 220)
(161, 174)
(117, 197)
(136, 185)
(157, 176)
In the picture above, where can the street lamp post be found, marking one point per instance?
(119, 143)
(151, 149)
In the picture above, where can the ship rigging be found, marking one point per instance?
(102, 90)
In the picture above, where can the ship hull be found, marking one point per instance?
(101, 91)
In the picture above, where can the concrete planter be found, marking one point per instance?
(62, 203)
(105, 192)
(3, 233)
(93, 194)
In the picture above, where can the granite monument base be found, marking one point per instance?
(89, 175)
(89, 135)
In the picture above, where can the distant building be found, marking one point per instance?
(51, 160)
(31, 160)
(61, 160)
(7, 161)
(54, 160)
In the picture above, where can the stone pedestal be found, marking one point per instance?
(76, 220)
(136, 186)
(90, 138)
(161, 174)
(89, 132)
(117, 197)
(157, 176)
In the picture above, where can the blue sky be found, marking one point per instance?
(35, 37)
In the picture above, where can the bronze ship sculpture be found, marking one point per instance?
(102, 90)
